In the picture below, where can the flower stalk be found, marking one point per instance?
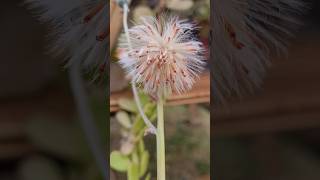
(151, 129)
(162, 57)
(161, 158)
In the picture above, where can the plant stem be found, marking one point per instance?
(148, 123)
(86, 118)
(161, 159)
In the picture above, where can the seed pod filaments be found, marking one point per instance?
(244, 36)
(165, 57)
(78, 31)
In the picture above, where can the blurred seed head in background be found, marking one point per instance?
(245, 35)
(78, 30)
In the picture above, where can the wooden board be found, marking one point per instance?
(199, 94)
(289, 99)
(115, 23)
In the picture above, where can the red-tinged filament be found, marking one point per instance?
(93, 12)
(233, 36)
(183, 73)
(102, 36)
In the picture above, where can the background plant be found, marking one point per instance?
(132, 157)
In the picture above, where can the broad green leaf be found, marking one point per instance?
(150, 111)
(133, 171)
(144, 163)
(141, 146)
(128, 105)
(135, 157)
(124, 119)
(119, 162)
(153, 117)
(138, 125)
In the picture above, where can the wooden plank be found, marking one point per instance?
(262, 125)
(289, 100)
(115, 23)
(199, 94)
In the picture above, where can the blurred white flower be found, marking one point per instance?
(164, 57)
(79, 30)
(246, 33)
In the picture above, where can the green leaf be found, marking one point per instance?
(39, 168)
(153, 117)
(148, 177)
(133, 171)
(141, 146)
(144, 163)
(135, 157)
(119, 162)
(138, 125)
(149, 109)
(124, 119)
(128, 105)
(144, 99)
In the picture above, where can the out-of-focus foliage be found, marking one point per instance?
(132, 157)
(187, 141)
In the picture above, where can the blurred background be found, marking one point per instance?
(274, 134)
(40, 133)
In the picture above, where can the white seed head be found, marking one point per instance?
(78, 30)
(245, 35)
(164, 57)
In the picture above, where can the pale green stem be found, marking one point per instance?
(151, 128)
(161, 158)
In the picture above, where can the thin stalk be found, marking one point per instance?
(125, 24)
(86, 119)
(151, 128)
(148, 123)
(161, 157)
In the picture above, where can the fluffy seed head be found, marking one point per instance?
(246, 35)
(78, 31)
(164, 57)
